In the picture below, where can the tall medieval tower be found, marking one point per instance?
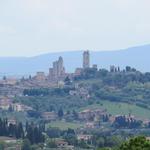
(60, 66)
(86, 59)
(58, 70)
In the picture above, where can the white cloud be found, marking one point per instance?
(7, 30)
(49, 25)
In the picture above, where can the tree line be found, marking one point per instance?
(126, 122)
(117, 78)
(32, 132)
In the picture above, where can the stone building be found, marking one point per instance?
(49, 116)
(86, 59)
(78, 71)
(95, 66)
(88, 114)
(60, 67)
(5, 103)
(20, 107)
(8, 81)
(55, 69)
(40, 76)
(84, 137)
(114, 69)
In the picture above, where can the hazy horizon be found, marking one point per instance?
(65, 51)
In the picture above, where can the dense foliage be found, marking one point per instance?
(32, 132)
(9, 129)
(52, 102)
(129, 86)
(123, 122)
(138, 143)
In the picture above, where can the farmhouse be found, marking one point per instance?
(20, 107)
(5, 103)
(84, 137)
(49, 116)
(89, 114)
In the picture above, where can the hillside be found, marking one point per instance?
(137, 57)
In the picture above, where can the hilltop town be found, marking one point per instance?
(90, 103)
(55, 78)
(57, 95)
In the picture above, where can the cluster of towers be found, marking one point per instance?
(58, 69)
(57, 72)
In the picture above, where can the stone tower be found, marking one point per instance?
(58, 70)
(86, 59)
(55, 69)
(60, 66)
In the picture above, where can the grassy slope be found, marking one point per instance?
(116, 108)
(113, 108)
(64, 125)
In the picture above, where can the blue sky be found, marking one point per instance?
(32, 27)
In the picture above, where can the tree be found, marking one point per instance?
(4, 78)
(83, 144)
(51, 144)
(104, 149)
(60, 113)
(67, 81)
(75, 115)
(53, 132)
(30, 77)
(34, 134)
(100, 142)
(128, 68)
(22, 79)
(2, 145)
(19, 131)
(26, 145)
(137, 143)
(10, 109)
(71, 139)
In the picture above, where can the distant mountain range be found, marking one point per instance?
(138, 57)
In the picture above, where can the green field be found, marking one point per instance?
(116, 108)
(65, 125)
